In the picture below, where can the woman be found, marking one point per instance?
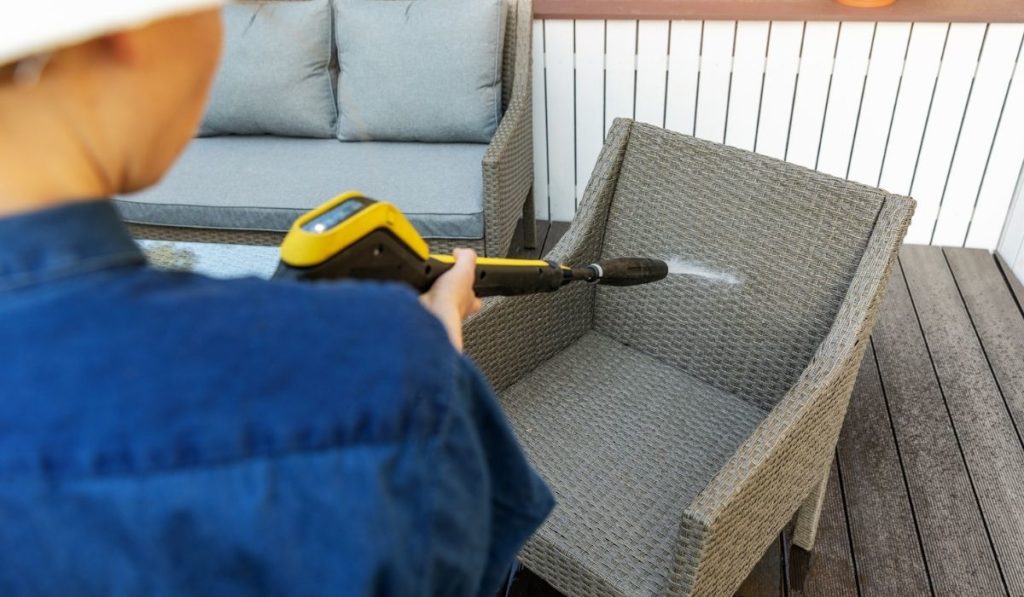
(169, 434)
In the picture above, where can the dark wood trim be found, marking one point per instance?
(959, 11)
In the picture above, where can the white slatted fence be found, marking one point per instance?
(933, 110)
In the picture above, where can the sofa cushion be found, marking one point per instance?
(274, 76)
(264, 183)
(428, 70)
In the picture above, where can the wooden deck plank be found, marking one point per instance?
(555, 234)
(765, 580)
(516, 249)
(956, 548)
(885, 542)
(829, 571)
(995, 457)
(997, 320)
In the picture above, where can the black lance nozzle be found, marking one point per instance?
(623, 271)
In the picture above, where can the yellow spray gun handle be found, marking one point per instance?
(354, 237)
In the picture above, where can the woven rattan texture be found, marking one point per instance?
(782, 464)
(779, 244)
(716, 537)
(510, 336)
(263, 238)
(206, 235)
(587, 432)
(507, 166)
(508, 163)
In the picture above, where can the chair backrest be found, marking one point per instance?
(765, 252)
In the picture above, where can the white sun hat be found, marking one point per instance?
(29, 27)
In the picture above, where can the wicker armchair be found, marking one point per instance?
(682, 424)
(507, 166)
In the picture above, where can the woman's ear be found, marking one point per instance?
(124, 47)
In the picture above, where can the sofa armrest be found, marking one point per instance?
(508, 163)
(724, 532)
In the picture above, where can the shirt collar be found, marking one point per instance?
(67, 240)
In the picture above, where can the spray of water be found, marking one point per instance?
(685, 267)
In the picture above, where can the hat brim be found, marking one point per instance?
(36, 26)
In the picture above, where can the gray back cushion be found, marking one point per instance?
(768, 250)
(421, 70)
(275, 72)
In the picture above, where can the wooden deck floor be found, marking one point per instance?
(927, 489)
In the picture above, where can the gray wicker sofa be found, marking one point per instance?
(683, 424)
(248, 190)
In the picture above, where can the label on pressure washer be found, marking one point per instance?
(334, 216)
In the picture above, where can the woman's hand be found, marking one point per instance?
(451, 298)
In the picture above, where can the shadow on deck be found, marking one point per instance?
(927, 489)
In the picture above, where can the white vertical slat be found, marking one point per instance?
(1011, 246)
(747, 78)
(955, 76)
(779, 87)
(812, 86)
(979, 128)
(620, 81)
(924, 55)
(713, 85)
(589, 99)
(1015, 224)
(683, 63)
(540, 132)
(651, 63)
(1004, 168)
(844, 97)
(560, 109)
(1018, 263)
(876, 110)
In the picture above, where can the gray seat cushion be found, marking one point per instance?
(264, 183)
(621, 488)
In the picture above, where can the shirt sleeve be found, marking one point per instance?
(374, 461)
(483, 469)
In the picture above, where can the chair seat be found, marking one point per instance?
(626, 442)
(264, 183)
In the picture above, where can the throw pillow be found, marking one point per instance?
(275, 74)
(419, 70)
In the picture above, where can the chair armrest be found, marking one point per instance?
(508, 162)
(724, 532)
(511, 336)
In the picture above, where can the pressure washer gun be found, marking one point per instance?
(352, 236)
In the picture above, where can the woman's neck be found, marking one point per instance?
(43, 160)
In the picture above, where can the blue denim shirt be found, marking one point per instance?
(170, 434)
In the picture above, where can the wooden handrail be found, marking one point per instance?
(970, 11)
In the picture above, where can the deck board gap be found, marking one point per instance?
(846, 519)
(903, 470)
